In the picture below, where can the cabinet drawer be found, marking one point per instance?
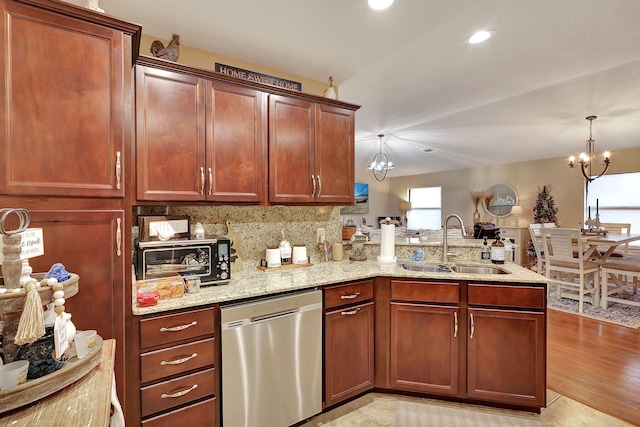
(336, 296)
(424, 291)
(507, 296)
(200, 414)
(182, 358)
(172, 393)
(176, 327)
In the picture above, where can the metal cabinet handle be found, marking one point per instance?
(202, 180)
(313, 179)
(178, 328)
(180, 393)
(119, 237)
(210, 182)
(179, 361)
(352, 296)
(350, 313)
(455, 321)
(118, 170)
(319, 185)
(473, 326)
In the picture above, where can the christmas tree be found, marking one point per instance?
(545, 209)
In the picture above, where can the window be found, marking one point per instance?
(616, 196)
(426, 208)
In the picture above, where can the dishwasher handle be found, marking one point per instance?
(273, 316)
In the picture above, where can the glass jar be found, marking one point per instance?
(40, 355)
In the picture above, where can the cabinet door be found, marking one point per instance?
(291, 150)
(335, 170)
(170, 142)
(506, 356)
(236, 148)
(349, 368)
(65, 100)
(424, 348)
(90, 244)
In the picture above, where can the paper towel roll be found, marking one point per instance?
(387, 243)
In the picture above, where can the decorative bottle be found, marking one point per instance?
(508, 251)
(486, 252)
(497, 250)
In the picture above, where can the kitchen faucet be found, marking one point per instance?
(444, 235)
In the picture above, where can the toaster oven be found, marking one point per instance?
(208, 259)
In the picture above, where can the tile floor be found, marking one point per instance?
(378, 410)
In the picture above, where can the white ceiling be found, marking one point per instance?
(522, 95)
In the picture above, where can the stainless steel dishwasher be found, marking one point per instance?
(272, 361)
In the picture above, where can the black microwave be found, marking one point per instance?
(208, 259)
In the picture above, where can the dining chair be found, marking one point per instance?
(536, 239)
(618, 228)
(620, 275)
(574, 276)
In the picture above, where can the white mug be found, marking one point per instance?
(299, 254)
(13, 374)
(273, 257)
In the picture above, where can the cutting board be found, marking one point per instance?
(236, 249)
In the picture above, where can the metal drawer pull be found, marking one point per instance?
(119, 237)
(178, 328)
(179, 361)
(455, 321)
(350, 313)
(473, 326)
(180, 393)
(210, 182)
(202, 180)
(319, 186)
(118, 170)
(313, 179)
(352, 296)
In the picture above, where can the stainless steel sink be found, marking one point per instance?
(424, 266)
(475, 269)
(450, 268)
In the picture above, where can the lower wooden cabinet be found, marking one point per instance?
(349, 334)
(424, 348)
(179, 372)
(480, 342)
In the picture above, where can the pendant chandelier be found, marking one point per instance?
(588, 157)
(380, 165)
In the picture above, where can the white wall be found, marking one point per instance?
(525, 177)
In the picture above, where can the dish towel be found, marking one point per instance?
(117, 418)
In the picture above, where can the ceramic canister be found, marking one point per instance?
(272, 256)
(299, 255)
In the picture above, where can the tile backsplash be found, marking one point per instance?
(259, 226)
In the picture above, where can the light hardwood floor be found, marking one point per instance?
(595, 363)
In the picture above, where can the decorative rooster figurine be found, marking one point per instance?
(171, 52)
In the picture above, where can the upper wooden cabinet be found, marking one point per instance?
(198, 139)
(311, 152)
(67, 99)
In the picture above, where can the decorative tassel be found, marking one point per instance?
(31, 325)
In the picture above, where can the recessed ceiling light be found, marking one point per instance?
(480, 36)
(380, 4)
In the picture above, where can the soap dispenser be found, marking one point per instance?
(486, 252)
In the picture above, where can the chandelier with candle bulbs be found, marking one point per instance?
(587, 158)
(380, 165)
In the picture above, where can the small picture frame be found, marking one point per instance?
(164, 228)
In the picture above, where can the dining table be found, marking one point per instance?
(601, 246)
(608, 241)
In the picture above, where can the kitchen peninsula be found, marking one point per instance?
(497, 356)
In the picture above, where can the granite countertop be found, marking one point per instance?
(253, 282)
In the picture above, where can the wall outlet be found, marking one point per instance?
(320, 235)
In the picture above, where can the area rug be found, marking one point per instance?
(409, 414)
(620, 314)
